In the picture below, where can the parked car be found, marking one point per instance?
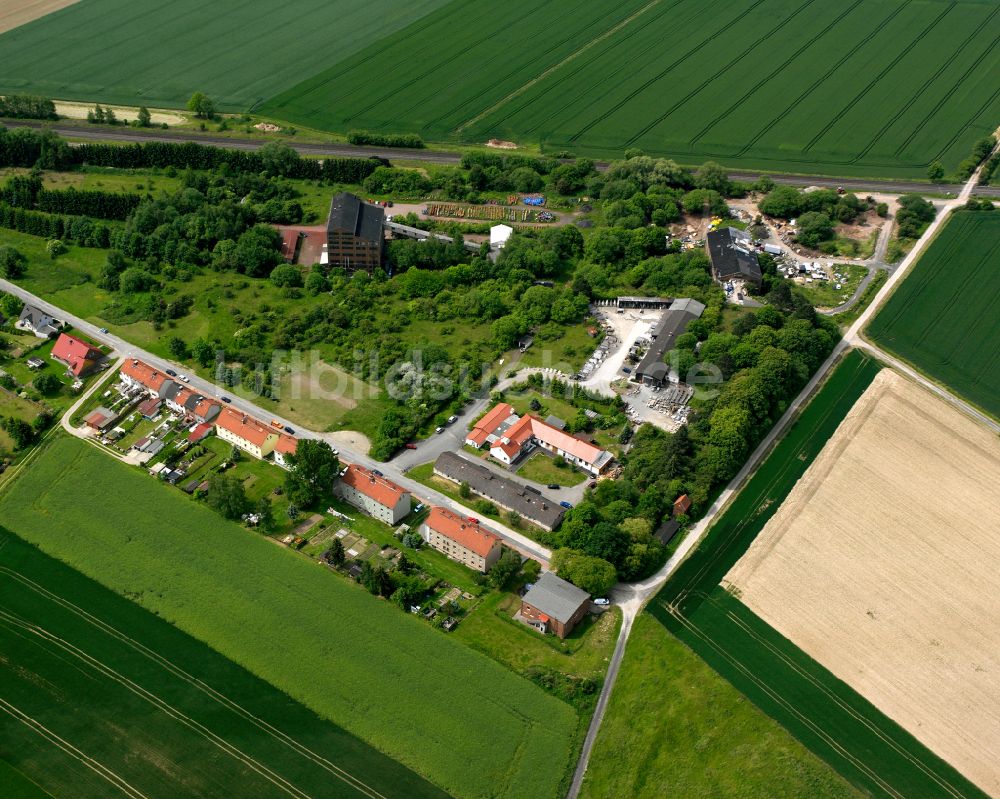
(410, 445)
(566, 504)
(103, 330)
(289, 431)
(555, 486)
(626, 370)
(438, 429)
(184, 378)
(226, 400)
(276, 424)
(377, 473)
(473, 520)
(602, 601)
(452, 419)
(171, 372)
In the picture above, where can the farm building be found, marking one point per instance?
(461, 539)
(354, 236)
(34, 320)
(673, 323)
(530, 432)
(508, 494)
(79, 357)
(553, 605)
(732, 255)
(379, 498)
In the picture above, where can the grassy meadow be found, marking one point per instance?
(453, 715)
(942, 318)
(675, 728)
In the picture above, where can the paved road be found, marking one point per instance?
(514, 539)
(632, 598)
(125, 134)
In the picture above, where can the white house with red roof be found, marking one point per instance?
(379, 498)
(246, 432)
(530, 432)
(135, 373)
(493, 424)
(461, 539)
(79, 357)
(286, 445)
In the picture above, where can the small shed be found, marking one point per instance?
(682, 504)
(499, 235)
(100, 418)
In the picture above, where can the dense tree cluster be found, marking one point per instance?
(913, 216)
(980, 151)
(25, 191)
(27, 106)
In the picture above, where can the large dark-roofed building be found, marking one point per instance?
(508, 494)
(733, 256)
(354, 234)
(673, 323)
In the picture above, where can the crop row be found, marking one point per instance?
(451, 714)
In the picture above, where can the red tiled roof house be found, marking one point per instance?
(379, 498)
(461, 539)
(79, 357)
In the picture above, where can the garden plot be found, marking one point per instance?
(881, 565)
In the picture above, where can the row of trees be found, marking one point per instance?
(25, 191)
(27, 106)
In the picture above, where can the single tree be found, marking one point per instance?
(336, 555)
(935, 172)
(201, 106)
(13, 263)
(46, 383)
(144, 118)
(227, 496)
(464, 491)
(177, 348)
(314, 467)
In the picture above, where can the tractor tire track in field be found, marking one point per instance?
(878, 78)
(571, 57)
(781, 702)
(945, 64)
(780, 68)
(438, 64)
(194, 682)
(161, 705)
(721, 71)
(624, 64)
(502, 79)
(945, 96)
(660, 75)
(807, 92)
(77, 754)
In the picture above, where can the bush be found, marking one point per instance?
(385, 139)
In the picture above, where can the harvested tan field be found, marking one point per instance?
(884, 566)
(17, 12)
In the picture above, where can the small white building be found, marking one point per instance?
(499, 235)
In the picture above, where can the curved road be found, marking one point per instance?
(126, 134)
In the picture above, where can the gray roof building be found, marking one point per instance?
(38, 322)
(554, 605)
(530, 503)
(673, 323)
(348, 214)
(732, 255)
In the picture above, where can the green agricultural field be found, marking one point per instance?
(862, 744)
(942, 318)
(101, 698)
(868, 87)
(239, 53)
(675, 728)
(451, 714)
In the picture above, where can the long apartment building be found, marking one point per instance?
(461, 539)
(379, 498)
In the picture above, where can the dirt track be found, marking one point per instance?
(882, 565)
(17, 14)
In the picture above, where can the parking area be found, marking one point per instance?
(623, 327)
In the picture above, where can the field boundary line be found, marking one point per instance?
(177, 671)
(835, 119)
(666, 70)
(541, 76)
(779, 700)
(77, 754)
(733, 62)
(160, 704)
(554, 109)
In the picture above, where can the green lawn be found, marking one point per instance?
(942, 318)
(13, 405)
(160, 710)
(675, 728)
(541, 468)
(836, 723)
(424, 699)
